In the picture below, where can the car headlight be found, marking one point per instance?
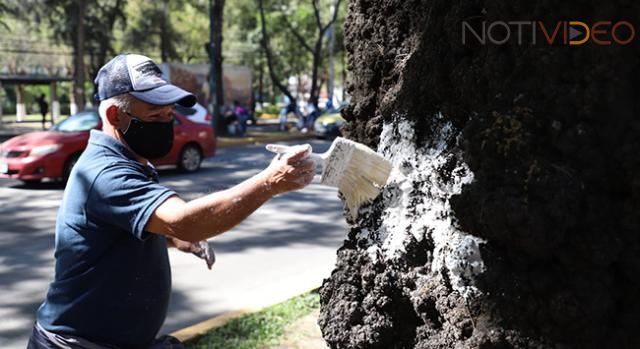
(45, 149)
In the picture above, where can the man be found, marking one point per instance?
(44, 108)
(112, 277)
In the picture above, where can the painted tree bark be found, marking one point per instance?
(511, 219)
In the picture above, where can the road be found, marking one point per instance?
(286, 247)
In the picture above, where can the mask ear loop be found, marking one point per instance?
(129, 125)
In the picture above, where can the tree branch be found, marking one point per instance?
(296, 34)
(334, 17)
(266, 46)
(316, 13)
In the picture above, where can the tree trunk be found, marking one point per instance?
(317, 61)
(55, 103)
(21, 107)
(219, 14)
(261, 79)
(98, 57)
(216, 16)
(511, 220)
(78, 75)
(266, 47)
(164, 32)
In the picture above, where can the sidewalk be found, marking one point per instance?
(262, 133)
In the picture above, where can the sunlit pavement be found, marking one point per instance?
(288, 246)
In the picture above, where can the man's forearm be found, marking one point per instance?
(218, 212)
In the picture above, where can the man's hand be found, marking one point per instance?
(291, 171)
(184, 246)
(200, 249)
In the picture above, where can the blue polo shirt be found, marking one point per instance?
(112, 279)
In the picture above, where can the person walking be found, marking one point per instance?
(44, 108)
(243, 116)
(112, 277)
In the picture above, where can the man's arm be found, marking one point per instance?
(216, 213)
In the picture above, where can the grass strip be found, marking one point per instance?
(260, 329)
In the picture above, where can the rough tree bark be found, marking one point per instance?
(512, 218)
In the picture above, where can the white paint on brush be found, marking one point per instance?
(416, 205)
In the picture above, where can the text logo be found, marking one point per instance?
(571, 33)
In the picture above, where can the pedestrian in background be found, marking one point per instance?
(312, 114)
(243, 116)
(44, 108)
(290, 107)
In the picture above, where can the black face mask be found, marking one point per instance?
(151, 140)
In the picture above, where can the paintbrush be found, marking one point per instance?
(358, 172)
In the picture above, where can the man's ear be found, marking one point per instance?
(113, 116)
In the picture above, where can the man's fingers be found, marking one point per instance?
(297, 153)
(308, 165)
(278, 148)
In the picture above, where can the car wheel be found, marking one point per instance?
(190, 158)
(68, 166)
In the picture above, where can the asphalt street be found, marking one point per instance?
(286, 247)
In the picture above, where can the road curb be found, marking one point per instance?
(193, 332)
(227, 142)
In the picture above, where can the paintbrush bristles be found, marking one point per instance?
(365, 173)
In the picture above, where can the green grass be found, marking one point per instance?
(260, 329)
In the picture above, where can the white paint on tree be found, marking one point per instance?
(21, 111)
(416, 204)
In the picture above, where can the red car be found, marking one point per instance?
(51, 154)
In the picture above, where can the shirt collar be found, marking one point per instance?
(102, 139)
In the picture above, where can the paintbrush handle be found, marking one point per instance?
(319, 160)
(283, 149)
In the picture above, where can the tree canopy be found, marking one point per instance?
(178, 31)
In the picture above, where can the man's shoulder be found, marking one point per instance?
(106, 171)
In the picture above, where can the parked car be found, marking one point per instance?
(328, 124)
(197, 113)
(34, 156)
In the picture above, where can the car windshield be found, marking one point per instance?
(336, 110)
(83, 121)
(186, 111)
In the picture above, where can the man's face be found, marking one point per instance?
(148, 112)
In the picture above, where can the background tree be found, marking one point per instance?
(150, 28)
(102, 18)
(265, 42)
(294, 33)
(176, 31)
(320, 30)
(6, 8)
(216, 15)
(86, 26)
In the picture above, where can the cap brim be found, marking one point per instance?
(166, 94)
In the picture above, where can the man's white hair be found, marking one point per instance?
(123, 102)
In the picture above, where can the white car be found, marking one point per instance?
(197, 113)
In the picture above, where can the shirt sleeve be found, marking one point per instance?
(125, 197)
